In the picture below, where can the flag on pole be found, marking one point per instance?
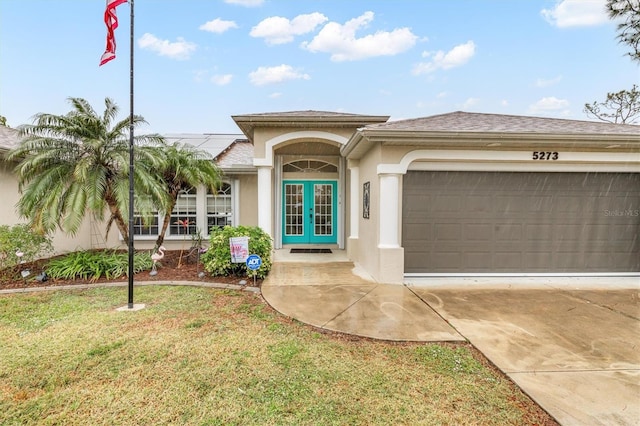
(111, 20)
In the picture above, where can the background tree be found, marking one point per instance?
(622, 106)
(3, 120)
(627, 12)
(77, 163)
(619, 107)
(185, 167)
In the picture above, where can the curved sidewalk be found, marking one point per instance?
(332, 296)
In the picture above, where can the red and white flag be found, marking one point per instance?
(111, 20)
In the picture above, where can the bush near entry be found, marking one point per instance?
(217, 259)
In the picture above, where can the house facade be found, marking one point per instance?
(463, 194)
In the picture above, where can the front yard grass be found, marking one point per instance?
(198, 356)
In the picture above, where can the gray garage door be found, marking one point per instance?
(485, 222)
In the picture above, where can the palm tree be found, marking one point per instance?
(184, 167)
(77, 163)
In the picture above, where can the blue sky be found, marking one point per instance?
(197, 62)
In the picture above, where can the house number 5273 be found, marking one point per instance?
(545, 155)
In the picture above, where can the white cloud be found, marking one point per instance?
(442, 95)
(246, 3)
(222, 79)
(549, 105)
(541, 82)
(275, 95)
(504, 103)
(456, 57)
(576, 13)
(218, 26)
(278, 74)
(279, 30)
(470, 103)
(343, 45)
(179, 49)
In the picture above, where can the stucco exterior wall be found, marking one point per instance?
(368, 255)
(10, 195)
(62, 242)
(263, 136)
(248, 201)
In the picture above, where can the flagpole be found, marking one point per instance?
(131, 210)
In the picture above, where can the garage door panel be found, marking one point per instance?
(624, 233)
(521, 222)
(447, 232)
(506, 204)
(539, 258)
(508, 260)
(508, 232)
(478, 232)
(447, 203)
(539, 232)
(480, 260)
(419, 232)
(479, 205)
(449, 260)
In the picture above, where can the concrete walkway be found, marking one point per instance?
(576, 352)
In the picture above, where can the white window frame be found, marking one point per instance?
(220, 206)
(186, 208)
(201, 215)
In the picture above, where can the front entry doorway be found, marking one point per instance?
(309, 212)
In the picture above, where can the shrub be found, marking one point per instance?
(20, 238)
(217, 259)
(92, 265)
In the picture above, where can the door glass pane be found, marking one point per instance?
(323, 209)
(293, 198)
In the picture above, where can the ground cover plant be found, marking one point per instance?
(95, 264)
(201, 356)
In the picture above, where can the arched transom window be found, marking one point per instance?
(309, 166)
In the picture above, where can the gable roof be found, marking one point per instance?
(319, 119)
(231, 152)
(465, 130)
(212, 143)
(469, 122)
(237, 158)
(9, 138)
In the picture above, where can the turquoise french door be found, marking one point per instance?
(310, 211)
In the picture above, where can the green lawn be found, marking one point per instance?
(201, 356)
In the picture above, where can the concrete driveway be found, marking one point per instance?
(575, 352)
(573, 348)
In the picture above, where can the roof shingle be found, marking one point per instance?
(467, 122)
(9, 138)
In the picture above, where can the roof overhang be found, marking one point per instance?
(304, 119)
(364, 139)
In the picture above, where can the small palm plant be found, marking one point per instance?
(76, 163)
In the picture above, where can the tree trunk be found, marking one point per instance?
(119, 220)
(122, 226)
(165, 222)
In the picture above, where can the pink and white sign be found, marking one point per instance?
(239, 249)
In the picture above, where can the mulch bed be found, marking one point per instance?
(171, 268)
